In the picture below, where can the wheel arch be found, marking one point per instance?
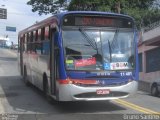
(154, 89)
(154, 84)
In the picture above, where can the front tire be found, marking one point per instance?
(25, 77)
(46, 90)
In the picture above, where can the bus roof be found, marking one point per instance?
(59, 16)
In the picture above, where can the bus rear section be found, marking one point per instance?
(99, 56)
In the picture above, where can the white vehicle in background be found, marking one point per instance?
(155, 88)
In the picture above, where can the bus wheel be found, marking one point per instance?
(154, 90)
(25, 77)
(46, 89)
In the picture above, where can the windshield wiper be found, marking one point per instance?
(114, 39)
(90, 41)
(110, 51)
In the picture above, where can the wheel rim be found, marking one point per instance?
(25, 75)
(46, 89)
(153, 90)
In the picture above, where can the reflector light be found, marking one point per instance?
(77, 81)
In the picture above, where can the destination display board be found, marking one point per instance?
(102, 21)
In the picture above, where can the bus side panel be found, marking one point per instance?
(43, 68)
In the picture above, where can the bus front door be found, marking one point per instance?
(53, 63)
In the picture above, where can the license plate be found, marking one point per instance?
(103, 91)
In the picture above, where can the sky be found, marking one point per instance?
(19, 15)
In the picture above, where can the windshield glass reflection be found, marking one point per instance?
(98, 49)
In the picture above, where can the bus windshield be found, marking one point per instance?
(95, 49)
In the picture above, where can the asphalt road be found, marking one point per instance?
(19, 102)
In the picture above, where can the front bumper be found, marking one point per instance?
(71, 92)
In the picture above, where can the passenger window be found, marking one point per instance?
(38, 48)
(47, 33)
(39, 35)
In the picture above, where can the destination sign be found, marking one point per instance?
(101, 21)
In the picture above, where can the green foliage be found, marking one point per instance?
(45, 6)
(144, 11)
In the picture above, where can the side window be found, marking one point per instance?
(33, 46)
(39, 35)
(28, 41)
(42, 34)
(47, 31)
(46, 41)
(21, 43)
(34, 36)
(38, 48)
(31, 37)
(38, 42)
(25, 42)
(46, 47)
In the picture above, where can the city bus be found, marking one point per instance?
(81, 56)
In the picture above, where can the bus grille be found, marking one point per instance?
(95, 95)
(102, 85)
